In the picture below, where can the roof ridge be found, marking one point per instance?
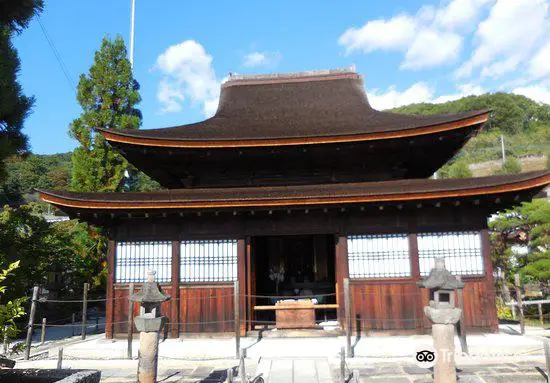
(234, 79)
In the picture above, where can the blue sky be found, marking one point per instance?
(408, 51)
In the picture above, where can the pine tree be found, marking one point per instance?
(14, 105)
(108, 96)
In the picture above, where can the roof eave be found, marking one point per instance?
(532, 183)
(125, 138)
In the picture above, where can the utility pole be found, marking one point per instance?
(502, 149)
(132, 34)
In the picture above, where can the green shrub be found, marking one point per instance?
(510, 166)
(503, 311)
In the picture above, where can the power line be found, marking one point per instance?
(57, 55)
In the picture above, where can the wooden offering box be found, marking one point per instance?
(295, 314)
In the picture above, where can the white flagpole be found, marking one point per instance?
(132, 34)
(126, 173)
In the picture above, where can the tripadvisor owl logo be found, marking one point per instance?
(425, 356)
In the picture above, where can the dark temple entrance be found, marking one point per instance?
(306, 264)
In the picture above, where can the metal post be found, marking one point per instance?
(541, 317)
(43, 334)
(96, 324)
(132, 34)
(84, 309)
(520, 304)
(236, 312)
(73, 320)
(347, 304)
(513, 312)
(547, 355)
(502, 150)
(342, 378)
(242, 368)
(130, 320)
(59, 358)
(31, 322)
(460, 327)
(6, 339)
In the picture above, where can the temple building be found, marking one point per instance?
(295, 184)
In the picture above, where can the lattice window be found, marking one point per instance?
(462, 252)
(208, 261)
(379, 256)
(134, 259)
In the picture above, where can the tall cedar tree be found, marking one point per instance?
(108, 96)
(14, 105)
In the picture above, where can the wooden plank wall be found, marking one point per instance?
(212, 305)
(121, 307)
(398, 305)
(387, 306)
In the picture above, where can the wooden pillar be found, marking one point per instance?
(242, 245)
(175, 287)
(490, 303)
(250, 274)
(415, 274)
(342, 271)
(110, 309)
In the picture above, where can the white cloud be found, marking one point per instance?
(257, 59)
(170, 97)
(417, 93)
(536, 92)
(507, 37)
(431, 48)
(395, 33)
(460, 13)
(463, 91)
(427, 38)
(539, 66)
(392, 98)
(187, 74)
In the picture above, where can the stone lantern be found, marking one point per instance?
(443, 314)
(149, 325)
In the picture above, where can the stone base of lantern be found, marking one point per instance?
(149, 328)
(443, 331)
(445, 367)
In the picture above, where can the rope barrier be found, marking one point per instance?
(312, 296)
(258, 322)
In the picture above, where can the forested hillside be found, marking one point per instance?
(42, 171)
(25, 173)
(524, 124)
